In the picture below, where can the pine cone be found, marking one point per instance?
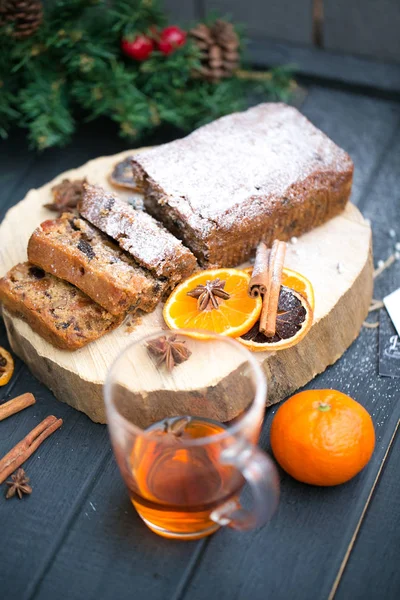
(219, 45)
(25, 15)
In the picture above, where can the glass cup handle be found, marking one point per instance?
(262, 476)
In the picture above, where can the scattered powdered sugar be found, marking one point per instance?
(235, 167)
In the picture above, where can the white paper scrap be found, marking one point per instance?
(392, 303)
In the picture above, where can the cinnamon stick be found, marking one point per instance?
(26, 447)
(16, 405)
(271, 298)
(259, 278)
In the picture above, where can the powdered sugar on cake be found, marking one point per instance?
(254, 155)
(136, 232)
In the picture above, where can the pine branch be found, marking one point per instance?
(128, 22)
(110, 89)
(9, 85)
(9, 115)
(45, 112)
(74, 61)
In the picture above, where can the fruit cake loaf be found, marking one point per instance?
(55, 309)
(151, 245)
(74, 250)
(263, 174)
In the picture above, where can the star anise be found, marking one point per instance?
(170, 351)
(208, 294)
(19, 485)
(176, 427)
(66, 195)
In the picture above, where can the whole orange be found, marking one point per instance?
(322, 437)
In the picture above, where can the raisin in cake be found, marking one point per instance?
(151, 245)
(55, 309)
(254, 176)
(74, 250)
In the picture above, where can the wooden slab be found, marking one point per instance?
(336, 257)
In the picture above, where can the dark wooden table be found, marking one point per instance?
(77, 535)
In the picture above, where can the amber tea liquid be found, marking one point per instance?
(176, 486)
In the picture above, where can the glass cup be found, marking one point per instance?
(184, 415)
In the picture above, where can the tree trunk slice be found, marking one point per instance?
(336, 257)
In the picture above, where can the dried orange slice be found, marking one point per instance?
(295, 281)
(6, 366)
(231, 316)
(294, 320)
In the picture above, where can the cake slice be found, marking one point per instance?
(55, 309)
(259, 175)
(74, 250)
(150, 244)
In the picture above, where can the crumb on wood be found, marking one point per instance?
(133, 321)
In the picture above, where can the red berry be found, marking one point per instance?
(140, 48)
(171, 37)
